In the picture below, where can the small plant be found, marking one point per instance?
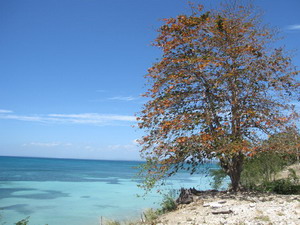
(23, 221)
(280, 214)
(283, 186)
(115, 222)
(168, 203)
(263, 218)
(112, 222)
(218, 177)
(241, 223)
(293, 176)
(151, 215)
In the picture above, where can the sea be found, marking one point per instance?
(81, 192)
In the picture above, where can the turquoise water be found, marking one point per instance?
(78, 192)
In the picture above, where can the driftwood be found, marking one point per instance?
(185, 196)
(222, 212)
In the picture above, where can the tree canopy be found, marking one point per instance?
(218, 88)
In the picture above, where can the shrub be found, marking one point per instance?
(151, 215)
(218, 176)
(282, 186)
(262, 169)
(259, 174)
(23, 221)
(168, 203)
(112, 222)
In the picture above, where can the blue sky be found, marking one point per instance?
(72, 71)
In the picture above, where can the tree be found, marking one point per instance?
(286, 142)
(218, 87)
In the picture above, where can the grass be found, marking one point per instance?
(280, 214)
(263, 218)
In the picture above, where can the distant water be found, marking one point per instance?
(77, 192)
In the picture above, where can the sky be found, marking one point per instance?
(72, 71)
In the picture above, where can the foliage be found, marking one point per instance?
(115, 222)
(289, 185)
(218, 176)
(23, 221)
(293, 176)
(168, 203)
(282, 186)
(260, 173)
(151, 215)
(112, 222)
(262, 168)
(263, 218)
(275, 153)
(287, 141)
(218, 87)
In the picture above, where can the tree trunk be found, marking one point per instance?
(233, 167)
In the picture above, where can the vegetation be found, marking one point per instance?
(276, 154)
(23, 221)
(261, 171)
(151, 215)
(168, 203)
(217, 92)
(218, 176)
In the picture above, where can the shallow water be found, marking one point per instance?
(77, 192)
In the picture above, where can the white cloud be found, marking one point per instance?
(123, 98)
(47, 144)
(93, 118)
(81, 118)
(294, 27)
(22, 117)
(128, 147)
(5, 111)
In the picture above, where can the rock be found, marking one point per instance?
(214, 205)
(252, 205)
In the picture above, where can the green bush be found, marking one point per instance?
(286, 186)
(168, 203)
(112, 222)
(218, 176)
(282, 186)
(151, 215)
(23, 221)
(263, 168)
(259, 173)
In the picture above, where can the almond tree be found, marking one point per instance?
(217, 88)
